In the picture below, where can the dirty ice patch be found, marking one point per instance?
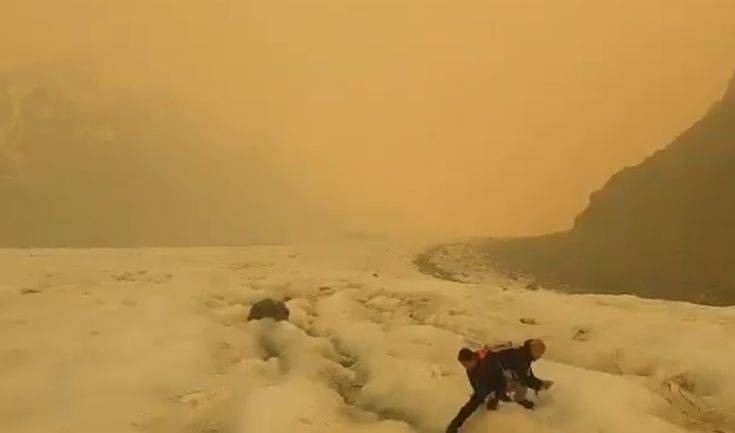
(302, 386)
(405, 371)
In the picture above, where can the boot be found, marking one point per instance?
(492, 404)
(527, 404)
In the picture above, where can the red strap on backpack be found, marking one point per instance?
(482, 353)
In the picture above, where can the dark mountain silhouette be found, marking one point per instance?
(664, 228)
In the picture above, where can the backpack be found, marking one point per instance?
(487, 349)
(499, 347)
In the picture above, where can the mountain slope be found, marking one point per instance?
(660, 229)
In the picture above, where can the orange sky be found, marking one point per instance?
(432, 117)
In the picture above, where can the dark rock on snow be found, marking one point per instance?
(268, 308)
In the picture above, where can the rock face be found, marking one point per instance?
(269, 308)
(664, 228)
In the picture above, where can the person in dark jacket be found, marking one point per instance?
(518, 374)
(493, 374)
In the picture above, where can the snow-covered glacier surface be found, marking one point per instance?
(155, 340)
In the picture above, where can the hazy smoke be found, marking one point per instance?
(81, 165)
(223, 121)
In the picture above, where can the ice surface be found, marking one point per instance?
(155, 340)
